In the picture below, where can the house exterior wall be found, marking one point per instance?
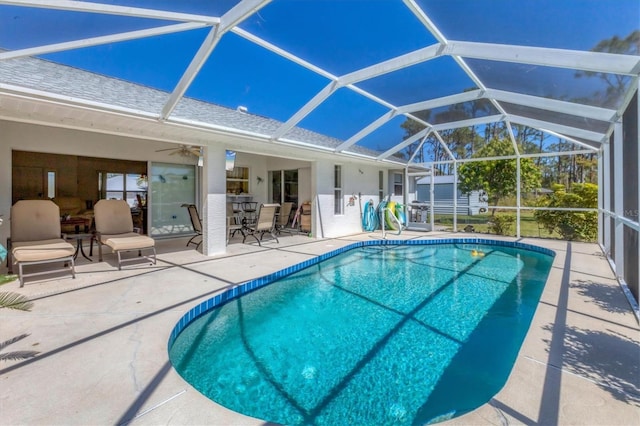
(359, 184)
(316, 180)
(467, 204)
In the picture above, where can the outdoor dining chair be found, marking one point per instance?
(283, 218)
(196, 222)
(233, 224)
(265, 223)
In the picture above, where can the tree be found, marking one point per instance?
(497, 177)
(22, 303)
(615, 84)
(411, 127)
(572, 225)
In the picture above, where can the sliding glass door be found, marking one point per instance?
(283, 186)
(171, 186)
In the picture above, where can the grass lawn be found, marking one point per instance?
(528, 224)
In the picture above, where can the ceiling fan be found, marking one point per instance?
(184, 150)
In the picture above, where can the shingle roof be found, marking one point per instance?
(43, 75)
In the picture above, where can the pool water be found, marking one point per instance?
(377, 335)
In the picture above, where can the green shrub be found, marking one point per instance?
(501, 224)
(572, 225)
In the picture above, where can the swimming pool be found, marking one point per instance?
(394, 333)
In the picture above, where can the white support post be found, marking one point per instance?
(455, 196)
(618, 208)
(431, 197)
(637, 165)
(405, 195)
(602, 240)
(606, 182)
(214, 199)
(518, 177)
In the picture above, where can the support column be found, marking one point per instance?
(455, 196)
(518, 194)
(5, 188)
(601, 205)
(214, 199)
(637, 165)
(432, 222)
(618, 208)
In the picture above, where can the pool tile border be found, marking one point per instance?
(246, 287)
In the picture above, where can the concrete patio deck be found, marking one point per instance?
(103, 358)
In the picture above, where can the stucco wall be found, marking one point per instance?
(359, 182)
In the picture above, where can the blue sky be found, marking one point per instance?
(339, 35)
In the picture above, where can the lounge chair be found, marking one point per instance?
(36, 239)
(283, 218)
(114, 228)
(196, 222)
(266, 222)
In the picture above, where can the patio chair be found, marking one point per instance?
(36, 239)
(266, 222)
(196, 222)
(232, 222)
(114, 228)
(283, 218)
(249, 209)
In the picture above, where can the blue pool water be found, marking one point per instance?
(406, 334)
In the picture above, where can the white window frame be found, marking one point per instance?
(398, 182)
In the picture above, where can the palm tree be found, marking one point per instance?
(20, 302)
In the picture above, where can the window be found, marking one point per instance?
(238, 180)
(131, 187)
(337, 189)
(51, 184)
(397, 184)
(380, 185)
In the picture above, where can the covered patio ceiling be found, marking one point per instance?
(359, 72)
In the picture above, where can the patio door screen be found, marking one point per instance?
(171, 186)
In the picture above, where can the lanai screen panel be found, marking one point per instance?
(431, 79)
(343, 114)
(536, 141)
(560, 118)
(566, 24)
(23, 27)
(213, 8)
(458, 112)
(553, 83)
(334, 38)
(239, 73)
(340, 36)
(391, 134)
